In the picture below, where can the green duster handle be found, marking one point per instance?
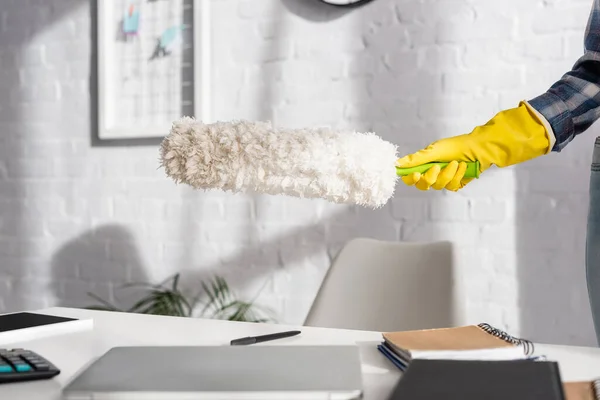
(472, 169)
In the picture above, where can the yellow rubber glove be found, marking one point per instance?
(511, 137)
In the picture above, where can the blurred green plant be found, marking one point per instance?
(167, 298)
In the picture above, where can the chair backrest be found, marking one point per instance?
(387, 286)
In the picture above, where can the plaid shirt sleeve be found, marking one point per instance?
(572, 104)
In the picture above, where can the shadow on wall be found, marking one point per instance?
(21, 224)
(291, 261)
(93, 262)
(100, 260)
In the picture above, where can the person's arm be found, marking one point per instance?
(546, 123)
(572, 104)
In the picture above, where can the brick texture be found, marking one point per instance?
(76, 218)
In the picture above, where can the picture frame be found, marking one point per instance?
(152, 66)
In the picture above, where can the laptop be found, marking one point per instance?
(221, 372)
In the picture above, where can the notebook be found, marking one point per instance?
(472, 342)
(582, 390)
(477, 380)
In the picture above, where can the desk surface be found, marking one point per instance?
(72, 352)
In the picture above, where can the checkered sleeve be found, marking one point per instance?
(572, 104)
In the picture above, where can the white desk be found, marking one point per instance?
(74, 351)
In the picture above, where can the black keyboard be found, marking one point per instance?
(18, 365)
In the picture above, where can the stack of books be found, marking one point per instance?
(472, 342)
(474, 362)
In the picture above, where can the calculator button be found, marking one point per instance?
(22, 367)
(42, 367)
(5, 369)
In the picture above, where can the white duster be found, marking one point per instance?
(242, 156)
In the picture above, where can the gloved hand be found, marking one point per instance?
(511, 137)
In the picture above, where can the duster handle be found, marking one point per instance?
(471, 172)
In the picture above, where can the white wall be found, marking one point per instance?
(75, 218)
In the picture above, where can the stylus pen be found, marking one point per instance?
(263, 338)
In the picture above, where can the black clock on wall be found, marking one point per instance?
(345, 3)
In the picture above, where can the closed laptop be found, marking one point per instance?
(221, 372)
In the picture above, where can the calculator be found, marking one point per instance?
(17, 365)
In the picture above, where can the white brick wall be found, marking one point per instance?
(414, 71)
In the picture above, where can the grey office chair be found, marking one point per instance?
(387, 286)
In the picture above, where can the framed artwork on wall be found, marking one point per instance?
(152, 66)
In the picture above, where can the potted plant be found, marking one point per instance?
(167, 298)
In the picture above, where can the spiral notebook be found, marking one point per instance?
(582, 390)
(471, 342)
